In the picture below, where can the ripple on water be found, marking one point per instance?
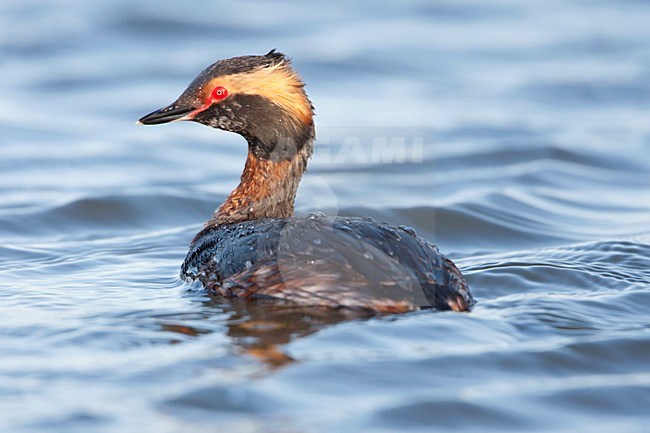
(533, 176)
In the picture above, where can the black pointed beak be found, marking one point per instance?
(168, 114)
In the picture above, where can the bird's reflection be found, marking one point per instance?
(263, 328)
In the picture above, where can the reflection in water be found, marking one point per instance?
(262, 328)
(534, 178)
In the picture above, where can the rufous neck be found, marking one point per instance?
(267, 190)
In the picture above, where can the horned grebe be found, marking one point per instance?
(254, 247)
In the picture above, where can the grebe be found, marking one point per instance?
(254, 247)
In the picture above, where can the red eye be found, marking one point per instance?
(218, 93)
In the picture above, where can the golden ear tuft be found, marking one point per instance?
(278, 83)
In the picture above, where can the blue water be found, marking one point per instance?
(520, 136)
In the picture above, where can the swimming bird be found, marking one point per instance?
(254, 247)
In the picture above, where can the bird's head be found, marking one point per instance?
(259, 97)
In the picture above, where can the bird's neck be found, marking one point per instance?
(267, 189)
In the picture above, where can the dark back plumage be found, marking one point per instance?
(320, 260)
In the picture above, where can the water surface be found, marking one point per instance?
(521, 145)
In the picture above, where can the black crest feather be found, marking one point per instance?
(276, 56)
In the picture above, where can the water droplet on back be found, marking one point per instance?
(409, 230)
